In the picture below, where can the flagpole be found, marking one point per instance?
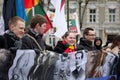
(68, 14)
(33, 11)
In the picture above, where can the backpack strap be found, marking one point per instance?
(35, 42)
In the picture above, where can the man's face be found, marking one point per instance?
(18, 29)
(90, 36)
(41, 29)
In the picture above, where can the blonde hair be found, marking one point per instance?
(14, 20)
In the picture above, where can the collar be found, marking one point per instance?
(10, 33)
(85, 41)
(33, 33)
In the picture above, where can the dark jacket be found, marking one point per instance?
(2, 41)
(10, 40)
(28, 43)
(85, 45)
(59, 48)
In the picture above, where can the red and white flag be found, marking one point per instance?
(59, 20)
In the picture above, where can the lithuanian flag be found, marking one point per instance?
(34, 7)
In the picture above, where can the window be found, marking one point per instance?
(72, 10)
(112, 15)
(52, 40)
(92, 16)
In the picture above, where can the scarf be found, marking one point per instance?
(69, 48)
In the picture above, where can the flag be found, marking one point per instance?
(8, 11)
(59, 20)
(20, 10)
(35, 7)
(24, 9)
(28, 4)
(74, 24)
(77, 24)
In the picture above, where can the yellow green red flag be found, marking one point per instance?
(35, 7)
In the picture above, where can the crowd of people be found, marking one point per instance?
(17, 38)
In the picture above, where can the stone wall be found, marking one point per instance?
(1, 4)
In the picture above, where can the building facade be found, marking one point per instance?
(1, 4)
(102, 15)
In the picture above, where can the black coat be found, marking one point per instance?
(60, 48)
(9, 40)
(28, 43)
(85, 45)
(2, 41)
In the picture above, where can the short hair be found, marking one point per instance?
(14, 20)
(86, 30)
(37, 19)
